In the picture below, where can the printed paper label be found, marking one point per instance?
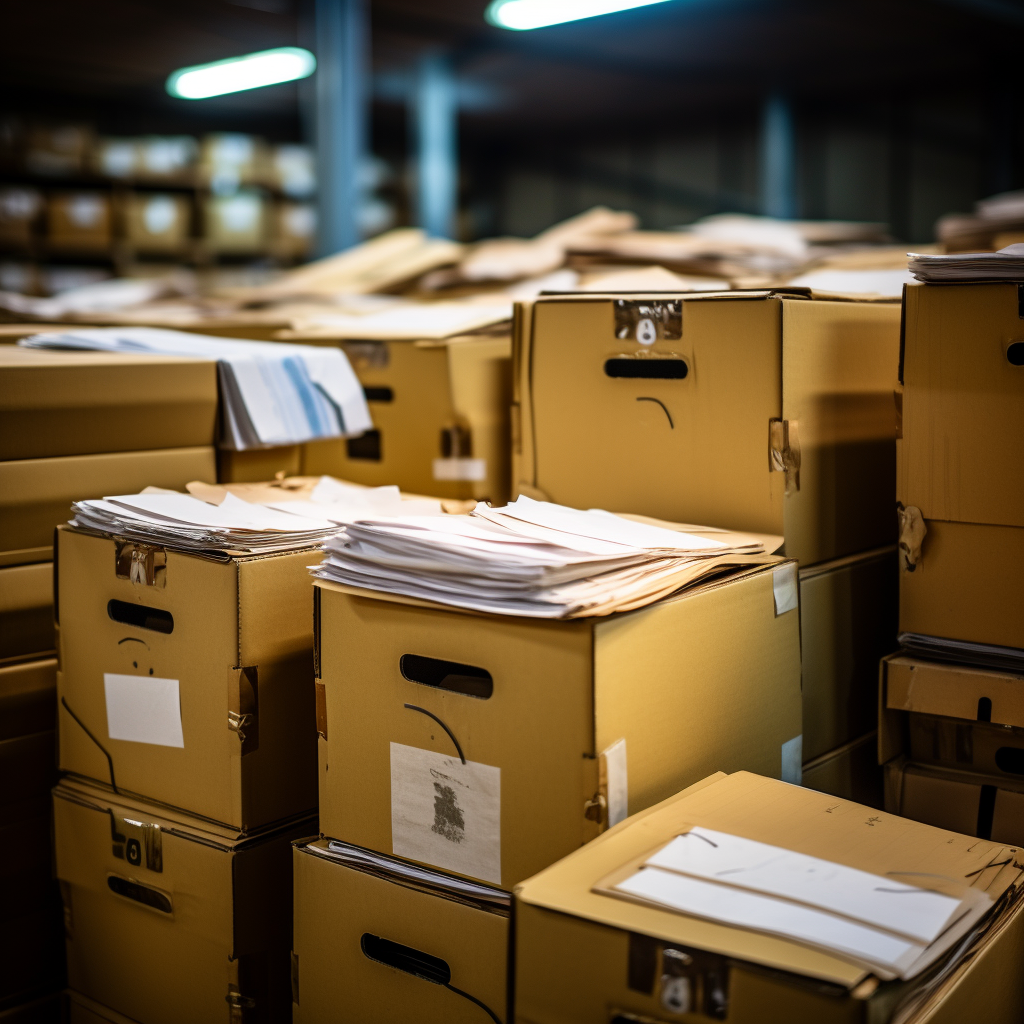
(792, 761)
(143, 709)
(460, 469)
(617, 781)
(786, 588)
(446, 813)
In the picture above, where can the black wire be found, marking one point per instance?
(451, 735)
(85, 729)
(473, 999)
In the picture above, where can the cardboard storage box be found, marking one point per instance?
(235, 223)
(373, 944)
(36, 494)
(294, 229)
(440, 415)
(157, 222)
(582, 956)
(79, 220)
(26, 611)
(761, 411)
(959, 474)
(193, 684)
(256, 464)
(28, 750)
(169, 919)
(81, 1010)
(848, 612)
(55, 404)
(539, 733)
(19, 214)
(852, 772)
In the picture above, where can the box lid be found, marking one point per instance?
(773, 812)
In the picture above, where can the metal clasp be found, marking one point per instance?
(143, 564)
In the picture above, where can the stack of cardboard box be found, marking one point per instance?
(71, 425)
(952, 701)
(187, 735)
(769, 411)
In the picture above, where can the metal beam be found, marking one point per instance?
(778, 158)
(342, 93)
(435, 103)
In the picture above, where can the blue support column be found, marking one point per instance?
(778, 159)
(435, 109)
(342, 94)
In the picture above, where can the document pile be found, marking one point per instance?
(271, 393)
(529, 558)
(234, 527)
(1005, 265)
(884, 924)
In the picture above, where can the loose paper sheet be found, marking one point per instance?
(143, 709)
(617, 776)
(785, 588)
(445, 812)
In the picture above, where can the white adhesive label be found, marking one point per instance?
(793, 761)
(460, 469)
(786, 588)
(143, 709)
(446, 813)
(617, 782)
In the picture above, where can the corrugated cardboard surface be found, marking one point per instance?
(968, 584)
(962, 409)
(848, 612)
(705, 680)
(26, 611)
(852, 772)
(557, 911)
(36, 494)
(416, 392)
(55, 404)
(229, 923)
(335, 905)
(247, 613)
(258, 463)
(82, 1010)
(28, 698)
(695, 449)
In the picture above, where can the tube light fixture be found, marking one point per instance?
(521, 15)
(235, 74)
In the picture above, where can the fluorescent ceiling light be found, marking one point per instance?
(253, 71)
(521, 15)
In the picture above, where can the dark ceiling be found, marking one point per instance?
(680, 61)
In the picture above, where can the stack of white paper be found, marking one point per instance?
(528, 558)
(272, 393)
(181, 521)
(1005, 265)
(890, 928)
(345, 503)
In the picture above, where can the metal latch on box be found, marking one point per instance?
(238, 1004)
(912, 533)
(138, 842)
(682, 980)
(784, 451)
(243, 707)
(646, 321)
(143, 564)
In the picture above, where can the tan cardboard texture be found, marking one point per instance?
(349, 963)
(26, 611)
(852, 772)
(81, 1010)
(233, 640)
(986, 806)
(583, 956)
(752, 411)
(170, 920)
(848, 613)
(561, 724)
(963, 374)
(28, 698)
(440, 419)
(258, 464)
(36, 494)
(83, 403)
(28, 758)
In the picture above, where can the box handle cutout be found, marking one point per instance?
(103, 749)
(140, 893)
(646, 369)
(984, 709)
(141, 615)
(986, 812)
(378, 394)
(447, 675)
(1010, 760)
(417, 963)
(451, 735)
(366, 446)
(1015, 354)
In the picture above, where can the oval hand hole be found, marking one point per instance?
(381, 394)
(1015, 354)
(140, 893)
(1010, 760)
(447, 675)
(141, 616)
(405, 958)
(646, 369)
